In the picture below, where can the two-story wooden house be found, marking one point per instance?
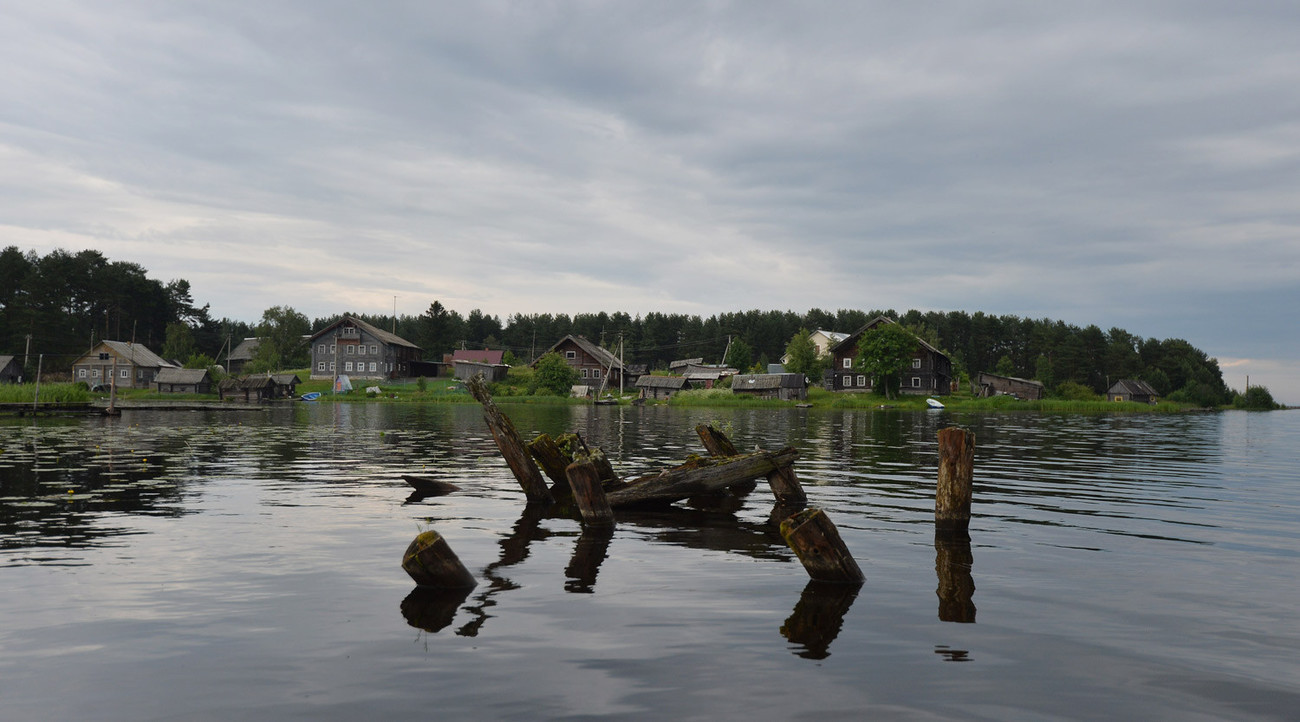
(593, 362)
(353, 348)
(930, 372)
(130, 365)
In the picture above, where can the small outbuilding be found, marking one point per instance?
(786, 387)
(995, 385)
(466, 369)
(183, 381)
(250, 388)
(286, 385)
(1132, 390)
(10, 370)
(659, 387)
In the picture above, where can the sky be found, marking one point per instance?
(1131, 164)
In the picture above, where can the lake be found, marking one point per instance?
(246, 565)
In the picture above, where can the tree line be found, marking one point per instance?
(67, 301)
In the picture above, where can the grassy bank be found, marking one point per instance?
(50, 393)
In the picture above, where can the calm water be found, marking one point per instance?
(244, 565)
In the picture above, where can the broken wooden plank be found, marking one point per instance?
(584, 480)
(510, 444)
(783, 481)
(715, 441)
(700, 476)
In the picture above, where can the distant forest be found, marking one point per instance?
(65, 302)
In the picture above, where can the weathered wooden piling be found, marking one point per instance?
(715, 441)
(431, 562)
(584, 481)
(952, 494)
(510, 444)
(782, 479)
(700, 476)
(817, 543)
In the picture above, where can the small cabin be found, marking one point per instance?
(659, 387)
(786, 387)
(995, 385)
(183, 381)
(1132, 390)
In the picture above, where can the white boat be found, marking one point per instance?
(933, 403)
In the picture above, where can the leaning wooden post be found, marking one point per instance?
(817, 543)
(786, 487)
(584, 479)
(715, 441)
(953, 492)
(511, 445)
(431, 563)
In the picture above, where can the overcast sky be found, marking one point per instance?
(1127, 164)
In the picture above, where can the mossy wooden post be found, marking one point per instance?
(953, 492)
(715, 441)
(786, 487)
(432, 563)
(584, 480)
(550, 457)
(817, 543)
(510, 444)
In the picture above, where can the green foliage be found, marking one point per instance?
(422, 384)
(884, 353)
(1005, 367)
(552, 375)
(1073, 391)
(281, 346)
(1256, 398)
(50, 393)
(740, 355)
(802, 358)
(180, 342)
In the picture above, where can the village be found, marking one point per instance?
(351, 353)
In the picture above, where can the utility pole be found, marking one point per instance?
(27, 352)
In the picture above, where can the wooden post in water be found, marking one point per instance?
(432, 563)
(715, 441)
(953, 492)
(817, 543)
(511, 445)
(584, 480)
(783, 481)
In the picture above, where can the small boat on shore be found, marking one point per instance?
(933, 403)
(310, 396)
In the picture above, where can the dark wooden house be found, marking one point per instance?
(249, 388)
(786, 387)
(930, 372)
(131, 365)
(659, 387)
(183, 381)
(1132, 390)
(286, 385)
(995, 385)
(353, 348)
(10, 370)
(595, 365)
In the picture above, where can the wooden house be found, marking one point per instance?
(11, 371)
(1132, 390)
(286, 385)
(239, 357)
(595, 365)
(183, 381)
(995, 385)
(131, 365)
(786, 386)
(659, 387)
(930, 372)
(353, 348)
(250, 389)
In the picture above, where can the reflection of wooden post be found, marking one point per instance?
(431, 562)
(511, 445)
(715, 441)
(952, 563)
(584, 479)
(588, 553)
(432, 609)
(818, 617)
(817, 543)
(953, 493)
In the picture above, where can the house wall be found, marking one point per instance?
(358, 355)
(590, 369)
(930, 374)
(94, 370)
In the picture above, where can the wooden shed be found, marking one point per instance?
(249, 388)
(787, 387)
(995, 385)
(183, 381)
(1132, 390)
(10, 370)
(659, 387)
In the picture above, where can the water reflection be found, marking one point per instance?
(952, 563)
(589, 553)
(818, 617)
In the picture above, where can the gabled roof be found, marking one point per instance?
(181, 376)
(286, 379)
(136, 354)
(1132, 387)
(833, 337)
(661, 382)
(1031, 382)
(486, 356)
(853, 337)
(605, 357)
(391, 339)
(708, 372)
(246, 349)
(4, 361)
(680, 363)
(756, 382)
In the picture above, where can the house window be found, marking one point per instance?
(332, 348)
(94, 373)
(916, 363)
(349, 330)
(320, 366)
(848, 363)
(320, 348)
(916, 382)
(862, 381)
(372, 365)
(81, 373)
(331, 366)
(595, 373)
(361, 350)
(351, 350)
(570, 355)
(126, 374)
(848, 382)
(584, 373)
(347, 366)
